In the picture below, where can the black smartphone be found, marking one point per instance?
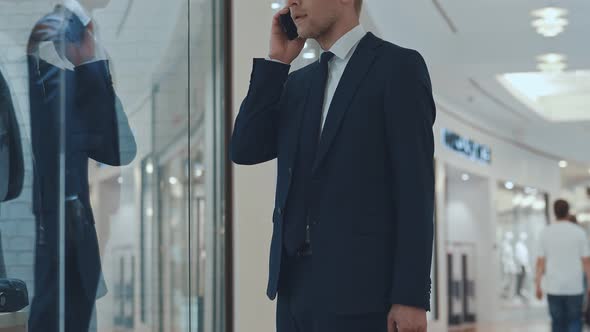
(74, 29)
(288, 26)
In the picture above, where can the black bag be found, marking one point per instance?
(13, 295)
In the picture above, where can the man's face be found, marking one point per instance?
(314, 17)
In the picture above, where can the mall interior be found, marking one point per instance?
(184, 234)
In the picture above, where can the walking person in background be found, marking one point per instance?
(564, 256)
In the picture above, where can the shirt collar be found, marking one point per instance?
(76, 8)
(343, 47)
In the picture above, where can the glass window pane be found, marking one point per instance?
(111, 151)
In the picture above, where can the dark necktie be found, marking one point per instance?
(316, 102)
(297, 236)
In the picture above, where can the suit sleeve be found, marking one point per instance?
(111, 140)
(410, 114)
(15, 162)
(254, 138)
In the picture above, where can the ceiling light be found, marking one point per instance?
(555, 96)
(509, 185)
(563, 164)
(552, 62)
(465, 177)
(149, 168)
(172, 180)
(549, 12)
(549, 21)
(309, 55)
(149, 212)
(275, 5)
(120, 180)
(551, 58)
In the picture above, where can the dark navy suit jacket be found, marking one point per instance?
(82, 105)
(373, 176)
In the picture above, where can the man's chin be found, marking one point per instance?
(305, 34)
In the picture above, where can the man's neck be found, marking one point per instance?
(339, 29)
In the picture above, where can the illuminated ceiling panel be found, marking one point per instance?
(558, 97)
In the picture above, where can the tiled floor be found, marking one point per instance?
(530, 327)
(521, 327)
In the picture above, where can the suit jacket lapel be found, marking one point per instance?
(298, 118)
(353, 75)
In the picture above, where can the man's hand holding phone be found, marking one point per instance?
(281, 48)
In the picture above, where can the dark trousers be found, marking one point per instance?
(520, 278)
(44, 314)
(566, 312)
(294, 307)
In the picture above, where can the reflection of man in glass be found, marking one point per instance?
(75, 116)
(11, 156)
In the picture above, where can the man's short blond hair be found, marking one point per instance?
(358, 5)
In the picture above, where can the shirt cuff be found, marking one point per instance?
(274, 60)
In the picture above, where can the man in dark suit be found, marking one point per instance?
(353, 220)
(75, 115)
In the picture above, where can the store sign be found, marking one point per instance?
(467, 147)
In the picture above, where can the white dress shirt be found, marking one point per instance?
(343, 50)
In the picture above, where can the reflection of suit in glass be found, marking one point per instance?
(95, 128)
(11, 156)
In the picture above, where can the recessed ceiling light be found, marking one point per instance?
(275, 5)
(120, 180)
(552, 58)
(549, 21)
(552, 62)
(549, 12)
(509, 185)
(172, 180)
(563, 164)
(465, 177)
